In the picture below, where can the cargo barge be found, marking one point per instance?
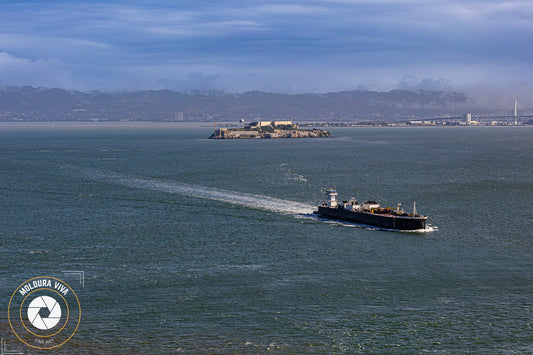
(371, 213)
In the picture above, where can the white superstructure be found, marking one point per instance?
(332, 194)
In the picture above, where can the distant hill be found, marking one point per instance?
(43, 104)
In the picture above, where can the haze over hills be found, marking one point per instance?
(43, 104)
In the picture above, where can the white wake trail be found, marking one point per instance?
(240, 198)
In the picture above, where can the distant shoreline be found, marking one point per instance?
(101, 125)
(154, 125)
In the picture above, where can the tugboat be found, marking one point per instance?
(371, 213)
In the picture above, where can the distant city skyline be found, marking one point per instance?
(482, 48)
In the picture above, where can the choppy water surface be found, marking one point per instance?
(203, 246)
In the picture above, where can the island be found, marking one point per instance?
(269, 129)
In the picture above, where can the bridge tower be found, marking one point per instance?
(515, 112)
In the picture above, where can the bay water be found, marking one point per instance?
(210, 246)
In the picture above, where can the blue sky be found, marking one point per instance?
(280, 46)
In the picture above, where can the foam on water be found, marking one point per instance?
(240, 198)
(263, 202)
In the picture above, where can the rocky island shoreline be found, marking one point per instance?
(270, 129)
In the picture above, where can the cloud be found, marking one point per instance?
(410, 82)
(279, 45)
(22, 71)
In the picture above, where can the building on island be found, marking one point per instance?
(268, 129)
(259, 124)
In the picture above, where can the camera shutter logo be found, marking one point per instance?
(44, 312)
(35, 315)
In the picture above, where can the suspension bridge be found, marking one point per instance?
(516, 116)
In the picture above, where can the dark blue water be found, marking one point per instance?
(203, 246)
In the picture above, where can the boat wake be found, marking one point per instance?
(239, 198)
(267, 203)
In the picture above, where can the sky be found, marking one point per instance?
(284, 46)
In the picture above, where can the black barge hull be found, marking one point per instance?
(374, 219)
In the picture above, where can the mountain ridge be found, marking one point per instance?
(53, 104)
